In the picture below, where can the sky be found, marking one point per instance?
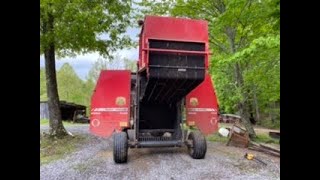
(82, 63)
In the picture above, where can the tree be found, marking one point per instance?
(72, 27)
(130, 64)
(119, 62)
(97, 66)
(70, 86)
(114, 62)
(88, 90)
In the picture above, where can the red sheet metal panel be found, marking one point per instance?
(177, 29)
(171, 29)
(202, 107)
(110, 103)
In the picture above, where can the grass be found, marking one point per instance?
(53, 149)
(217, 138)
(262, 137)
(212, 137)
(265, 138)
(65, 123)
(269, 124)
(44, 122)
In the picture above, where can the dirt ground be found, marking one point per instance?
(94, 160)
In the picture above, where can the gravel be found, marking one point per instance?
(94, 160)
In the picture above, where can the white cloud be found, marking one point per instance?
(82, 63)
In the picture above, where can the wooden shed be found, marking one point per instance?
(67, 110)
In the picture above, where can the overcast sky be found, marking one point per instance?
(83, 63)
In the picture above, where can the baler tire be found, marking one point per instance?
(199, 148)
(120, 147)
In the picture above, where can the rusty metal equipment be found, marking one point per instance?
(238, 136)
(275, 135)
(145, 108)
(229, 118)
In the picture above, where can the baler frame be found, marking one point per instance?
(172, 73)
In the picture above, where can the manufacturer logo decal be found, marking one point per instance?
(95, 122)
(194, 101)
(120, 101)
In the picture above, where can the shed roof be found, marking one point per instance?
(66, 104)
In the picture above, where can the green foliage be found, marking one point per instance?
(130, 64)
(153, 7)
(97, 66)
(217, 138)
(70, 86)
(65, 123)
(78, 26)
(116, 62)
(265, 138)
(268, 123)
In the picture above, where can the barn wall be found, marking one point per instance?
(67, 110)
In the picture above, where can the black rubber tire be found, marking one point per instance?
(199, 149)
(120, 147)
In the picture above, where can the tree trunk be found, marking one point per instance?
(55, 122)
(256, 104)
(269, 112)
(273, 112)
(242, 105)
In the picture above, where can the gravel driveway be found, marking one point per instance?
(94, 161)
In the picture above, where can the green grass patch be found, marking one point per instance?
(44, 122)
(65, 123)
(217, 138)
(269, 124)
(265, 138)
(52, 149)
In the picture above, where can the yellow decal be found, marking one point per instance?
(191, 123)
(194, 101)
(123, 124)
(120, 101)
